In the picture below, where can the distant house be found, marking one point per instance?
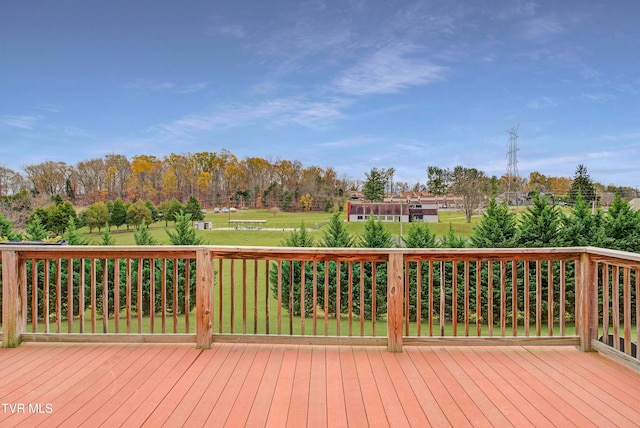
(204, 225)
(393, 212)
(635, 204)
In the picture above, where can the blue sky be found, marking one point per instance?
(348, 84)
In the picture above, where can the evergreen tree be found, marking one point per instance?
(451, 240)
(375, 184)
(375, 235)
(118, 214)
(185, 233)
(621, 227)
(193, 207)
(540, 225)
(152, 210)
(107, 239)
(36, 230)
(336, 234)
(438, 180)
(290, 283)
(143, 237)
(299, 238)
(582, 227)
(582, 185)
(72, 236)
(6, 230)
(419, 236)
(497, 228)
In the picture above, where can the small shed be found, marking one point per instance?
(204, 225)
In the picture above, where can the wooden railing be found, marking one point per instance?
(391, 297)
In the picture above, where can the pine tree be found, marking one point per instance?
(185, 233)
(72, 236)
(622, 227)
(290, 283)
(451, 240)
(299, 238)
(118, 215)
(193, 207)
(336, 234)
(419, 236)
(540, 225)
(375, 235)
(374, 186)
(152, 210)
(582, 227)
(107, 239)
(582, 185)
(6, 230)
(36, 230)
(497, 228)
(143, 237)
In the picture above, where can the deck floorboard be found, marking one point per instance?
(46, 384)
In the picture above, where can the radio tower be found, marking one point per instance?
(513, 182)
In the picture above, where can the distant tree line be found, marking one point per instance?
(215, 179)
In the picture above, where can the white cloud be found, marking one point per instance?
(541, 29)
(542, 103)
(224, 27)
(389, 70)
(21, 122)
(601, 98)
(150, 85)
(280, 111)
(350, 142)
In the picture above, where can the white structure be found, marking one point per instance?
(204, 225)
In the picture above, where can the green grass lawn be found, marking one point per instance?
(277, 227)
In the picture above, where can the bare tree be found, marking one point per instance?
(472, 185)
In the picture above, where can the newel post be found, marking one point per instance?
(587, 307)
(395, 307)
(14, 302)
(204, 295)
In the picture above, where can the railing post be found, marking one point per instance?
(14, 302)
(395, 307)
(586, 286)
(204, 295)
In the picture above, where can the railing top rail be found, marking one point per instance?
(612, 256)
(92, 251)
(319, 253)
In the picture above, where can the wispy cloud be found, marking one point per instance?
(600, 98)
(49, 108)
(542, 103)
(389, 70)
(190, 89)
(275, 112)
(20, 122)
(350, 142)
(541, 29)
(150, 85)
(220, 26)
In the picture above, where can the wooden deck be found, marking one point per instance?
(286, 385)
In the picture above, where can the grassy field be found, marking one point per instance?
(277, 227)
